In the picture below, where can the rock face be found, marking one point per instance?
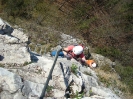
(12, 47)
(101, 60)
(67, 40)
(27, 81)
(10, 81)
(33, 77)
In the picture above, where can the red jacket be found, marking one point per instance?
(70, 48)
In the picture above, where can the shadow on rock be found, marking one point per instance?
(1, 58)
(33, 57)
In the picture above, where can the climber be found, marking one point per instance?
(73, 51)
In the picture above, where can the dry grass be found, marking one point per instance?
(112, 80)
(111, 75)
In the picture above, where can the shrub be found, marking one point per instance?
(49, 88)
(74, 68)
(77, 95)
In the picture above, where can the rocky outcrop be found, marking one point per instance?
(34, 75)
(67, 40)
(101, 60)
(13, 47)
(26, 81)
(10, 81)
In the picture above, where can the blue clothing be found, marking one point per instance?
(53, 53)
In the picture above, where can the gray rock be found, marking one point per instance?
(10, 81)
(101, 60)
(104, 92)
(32, 89)
(11, 40)
(19, 95)
(13, 44)
(67, 40)
(6, 95)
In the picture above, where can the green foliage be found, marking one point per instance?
(128, 16)
(104, 80)
(1, 65)
(32, 47)
(128, 27)
(77, 95)
(14, 8)
(90, 92)
(3, 2)
(84, 24)
(49, 88)
(40, 12)
(25, 8)
(127, 7)
(124, 12)
(74, 68)
(111, 3)
(80, 10)
(126, 74)
(109, 51)
(106, 68)
(111, 81)
(81, 16)
(26, 63)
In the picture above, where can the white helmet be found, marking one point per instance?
(93, 65)
(77, 50)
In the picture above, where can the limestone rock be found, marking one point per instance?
(20, 35)
(13, 47)
(10, 81)
(101, 60)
